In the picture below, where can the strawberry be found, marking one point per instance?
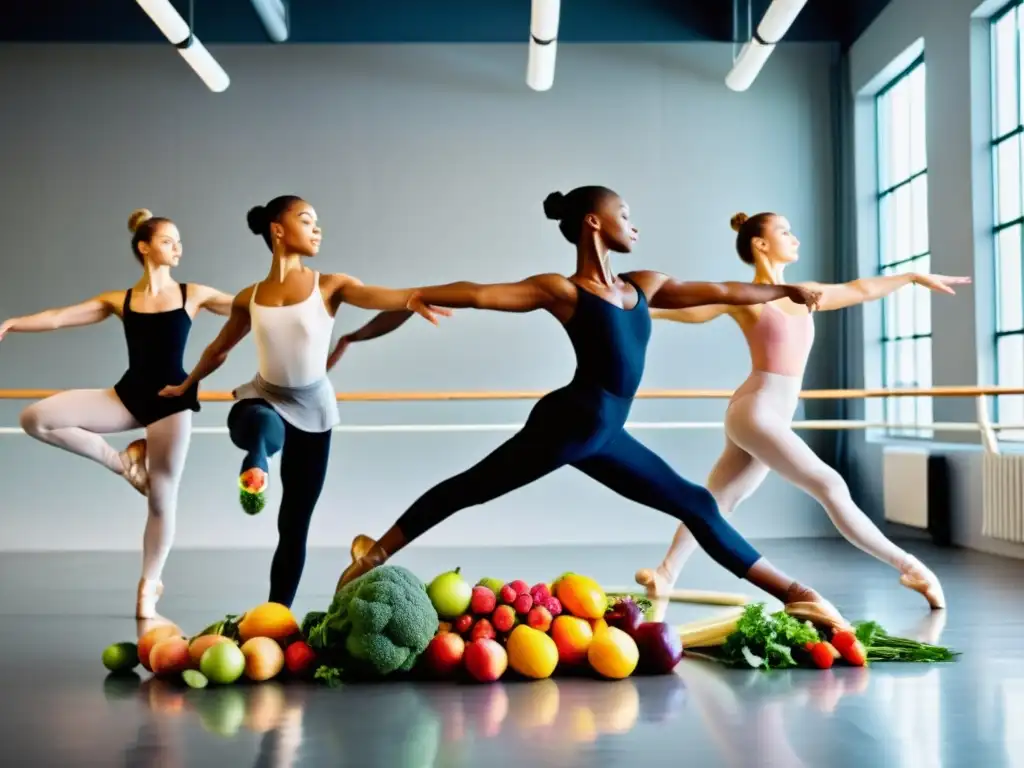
(483, 601)
(520, 586)
(463, 623)
(523, 603)
(503, 618)
(483, 630)
(539, 618)
(508, 594)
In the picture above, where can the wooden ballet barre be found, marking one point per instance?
(649, 394)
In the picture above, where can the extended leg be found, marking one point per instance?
(525, 457)
(303, 472)
(775, 444)
(634, 471)
(168, 441)
(736, 475)
(75, 419)
(256, 428)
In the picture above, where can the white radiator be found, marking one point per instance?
(905, 485)
(1003, 497)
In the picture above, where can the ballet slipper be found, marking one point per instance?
(819, 612)
(361, 546)
(914, 575)
(654, 582)
(367, 554)
(148, 593)
(133, 458)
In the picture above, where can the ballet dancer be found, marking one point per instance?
(290, 405)
(759, 437)
(157, 315)
(582, 424)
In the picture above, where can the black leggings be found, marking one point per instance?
(257, 429)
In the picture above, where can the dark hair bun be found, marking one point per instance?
(554, 206)
(738, 220)
(257, 219)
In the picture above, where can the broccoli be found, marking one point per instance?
(380, 623)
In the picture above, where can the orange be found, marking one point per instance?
(613, 653)
(169, 656)
(152, 637)
(572, 636)
(272, 620)
(581, 596)
(531, 653)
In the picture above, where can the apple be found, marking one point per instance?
(444, 653)
(485, 660)
(450, 594)
(299, 658)
(483, 601)
(660, 648)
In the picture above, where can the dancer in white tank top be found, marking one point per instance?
(290, 405)
(759, 437)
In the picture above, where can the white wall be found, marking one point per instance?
(955, 41)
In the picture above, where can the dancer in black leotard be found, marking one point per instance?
(582, 424)
(157, 315)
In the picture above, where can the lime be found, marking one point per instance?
(194, 678)
(121, 657)
(222, 663)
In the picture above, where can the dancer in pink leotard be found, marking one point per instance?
(759, 435)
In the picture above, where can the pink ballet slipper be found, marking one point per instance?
(149, 592)
(134, 460)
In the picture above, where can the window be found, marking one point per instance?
(903, 247)
(1007, 130)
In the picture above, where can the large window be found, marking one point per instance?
(903, 247)
(1007, 130)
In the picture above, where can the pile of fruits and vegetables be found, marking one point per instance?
(388, 623)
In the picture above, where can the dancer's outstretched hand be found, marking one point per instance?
(798, 294)
(176, 390)
(428, 311)
(940, 283)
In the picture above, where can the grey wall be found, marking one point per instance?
(957, 55)
(426, 164)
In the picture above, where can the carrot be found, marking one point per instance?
(850, 648)
(821, 655)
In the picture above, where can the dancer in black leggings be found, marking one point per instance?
(290, 406)
(582, 424)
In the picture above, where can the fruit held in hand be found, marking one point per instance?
(450, 594)
(264, 658)
(444, 654)
(539, 618)
(198, 646)
(572, 636)
(532, 653)
(508, 594)
(222, 663)
(170, 656)
(659, 646)
(613, 653)
(299, 658)
(523, 603)
(272, 620)
(483, 630)
(463, 624)
(503, 618)
(581, 596)
(485, 660)
(483, 601)
(121, 657)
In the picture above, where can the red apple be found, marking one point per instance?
(444, 653)
(299, 658)
(660, 648)
(485, 660)
(483, 601)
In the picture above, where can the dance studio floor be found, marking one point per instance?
(58, 611)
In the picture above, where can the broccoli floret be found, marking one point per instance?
(383, 619)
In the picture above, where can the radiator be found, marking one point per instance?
(905, 485)
(1003, 497)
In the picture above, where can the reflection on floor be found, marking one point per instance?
(57, 612)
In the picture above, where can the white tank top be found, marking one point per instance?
(293, 341)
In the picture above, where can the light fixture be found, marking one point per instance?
(773, 27)
(274, 15)
(540, 63)
(179, 33)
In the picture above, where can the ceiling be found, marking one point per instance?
(416, 21)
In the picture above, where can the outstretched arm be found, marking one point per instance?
(350, 290)
(533, 293)
(865, 289)
(693, 315)
(214, 356)
(89, 312)
(212, 300)
(664, 292)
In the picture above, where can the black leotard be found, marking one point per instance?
(156, 355)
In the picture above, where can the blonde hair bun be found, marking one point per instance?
(137, 218)
(738, 220)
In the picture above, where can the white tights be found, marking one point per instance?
(76, 419)
(759, 439)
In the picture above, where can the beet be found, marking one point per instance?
(660, 648)
(625, 615)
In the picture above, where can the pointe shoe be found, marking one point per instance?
(361, 546)
(655, 584)
(820, 613)
(133, 458)
(914, 575)
(367, 554)
(146, 597)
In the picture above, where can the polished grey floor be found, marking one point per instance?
(58, 611)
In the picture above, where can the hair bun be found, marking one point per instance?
(137, 218)
(257, 219)
(554, 206)
(738, 220)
